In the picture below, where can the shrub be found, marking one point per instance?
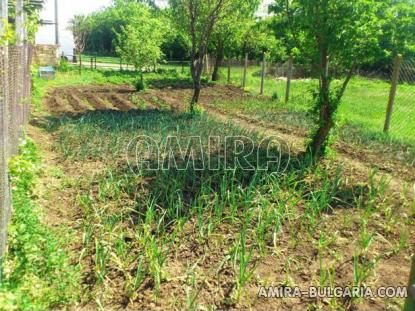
(64, 65)
(139, 85)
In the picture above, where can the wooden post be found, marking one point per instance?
(229, 72)
(394, 85)
(92, 64)
(207, 64)
(289, 77)
(410, 300)
(262, 73)
(245, 70)
(80, 63)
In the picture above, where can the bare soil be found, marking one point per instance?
(215, 280)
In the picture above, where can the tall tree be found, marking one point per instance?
(229, 33)
(80, 27)
(333, 34)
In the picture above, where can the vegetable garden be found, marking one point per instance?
(171, 187)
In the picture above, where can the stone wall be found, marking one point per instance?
(46, 55)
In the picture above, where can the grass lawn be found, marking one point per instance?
(363, 106)
(102, 59)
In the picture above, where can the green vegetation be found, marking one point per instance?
(362, 113)
(139, 41)
(173, 209)
(102, 59)
(37, 274)
(330, 38)
(137, 224)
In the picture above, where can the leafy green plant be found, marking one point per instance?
(139, 85)
(37, 274)
(64, 65)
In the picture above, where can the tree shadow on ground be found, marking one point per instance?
(178, 182)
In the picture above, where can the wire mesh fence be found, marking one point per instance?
(15, 90)
(403, 114)
(291, 84)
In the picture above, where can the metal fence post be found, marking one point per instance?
(229, 71)
(289, 76)
(262, 74)
(5, 200)
(245, 70)
(19, 111)
(80, 63)
(394, 85)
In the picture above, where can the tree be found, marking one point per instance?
(80, 26)
(198, 19)
(334, 34)
(398, 28)
(229, 32)
(259, 37)
(139, 42)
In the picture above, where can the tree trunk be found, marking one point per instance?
(326, 122)
(196, 95)
(218, 63)
(196, 70)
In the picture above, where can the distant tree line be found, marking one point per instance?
(242, 32)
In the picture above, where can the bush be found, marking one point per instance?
(275, 96)
(139, 85)
(64, 65)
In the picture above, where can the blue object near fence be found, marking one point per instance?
(47, 72)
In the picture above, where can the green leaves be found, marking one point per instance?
(139, 41)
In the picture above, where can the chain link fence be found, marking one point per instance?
(403, 114)
(15, 90)
(364, 105)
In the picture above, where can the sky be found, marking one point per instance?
(69, 8)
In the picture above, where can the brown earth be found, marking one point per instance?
(79, 100)
(215, 279)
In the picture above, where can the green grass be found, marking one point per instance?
(361, 114)
(37, 272)
(135, 222)
(102, 59)
(138, 226)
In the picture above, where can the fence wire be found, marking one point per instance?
(403, 117)
(15, 89)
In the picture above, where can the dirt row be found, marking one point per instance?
(77, 100)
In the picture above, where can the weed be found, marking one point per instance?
(37, 273)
